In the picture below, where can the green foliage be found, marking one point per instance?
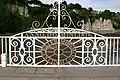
(90, 9)
(13, 22)
(77, 6)
(107, 14)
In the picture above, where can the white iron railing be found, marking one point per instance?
(74, 51)
(4, 50)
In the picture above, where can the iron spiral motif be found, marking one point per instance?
(35, 24)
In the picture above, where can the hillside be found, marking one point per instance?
(14, 19)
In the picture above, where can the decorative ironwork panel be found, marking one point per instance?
(44, 51)
(33, 51)
(21, 51)
(94, 52)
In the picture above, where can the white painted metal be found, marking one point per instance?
(59, 1)
(3, 50)
(3, 60)
(110, 49)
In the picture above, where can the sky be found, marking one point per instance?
(99, 5)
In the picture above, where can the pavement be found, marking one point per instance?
(93, 73)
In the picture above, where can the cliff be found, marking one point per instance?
(99, 24)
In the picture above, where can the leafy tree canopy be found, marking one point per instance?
(15, 22)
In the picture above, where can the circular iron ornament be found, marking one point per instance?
(100, 59)
(15, 42)
(28, 43)
(101, 43)
(36, 24)
(50, 52)
(88, 60)
(63, 7)
(89, 43)
(28, 59)
(80, 24)
(16, 59)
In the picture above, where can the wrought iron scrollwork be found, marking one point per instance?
(16, 59)
(94, 54)
(89, 43)
(36, 24)
(100, 59)
(15, 43)
(21, 51)
(65, 17)
(28, 59)
(80, 24)
(88, 60)
(52, 19)
(28, 43)
(101, 43)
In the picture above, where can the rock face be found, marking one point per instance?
(88, 26)
(23, 10)
(99, 24)
(102, 24)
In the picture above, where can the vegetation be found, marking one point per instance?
(11, 21)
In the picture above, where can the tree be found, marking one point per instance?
(3, 14)
(64, 2)
(3, 8)
(77, 6)
(90, 9)
(106, 14)
(71, 6)
(18, 23)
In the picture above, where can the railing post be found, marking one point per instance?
(3, 60)
(3, 55)
(59, 1)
